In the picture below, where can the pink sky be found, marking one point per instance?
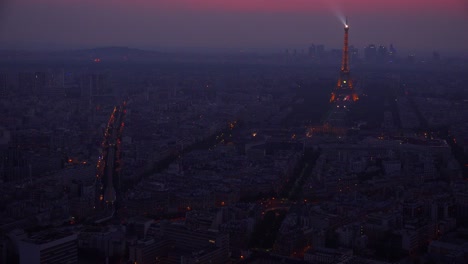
(353, 6)
(426, 24)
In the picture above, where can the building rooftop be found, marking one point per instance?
(48, 236)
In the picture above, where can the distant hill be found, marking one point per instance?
(100, 54)
(115, 52)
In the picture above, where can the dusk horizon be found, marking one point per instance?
(233, 132)
(411, 26)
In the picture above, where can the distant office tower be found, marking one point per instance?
(335, 54)
(320, 51)
(312, 51)
(344, 94)
(49, 248)
(392, 53)
(411, 58)
(370, 53)
(382, 54)
(353, 54)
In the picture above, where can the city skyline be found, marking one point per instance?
(232, 25)
(124, 155)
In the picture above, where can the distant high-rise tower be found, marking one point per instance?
(370, 53)
(382, 54)
(353, 54)
(392, 53)
(312, 51)
(344, 94)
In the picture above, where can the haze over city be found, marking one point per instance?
(417, 25)
(233, 132)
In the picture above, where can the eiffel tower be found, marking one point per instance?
(343, 94)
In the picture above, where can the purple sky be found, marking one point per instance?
(424, 25)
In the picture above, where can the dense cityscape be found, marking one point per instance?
(312, 155)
